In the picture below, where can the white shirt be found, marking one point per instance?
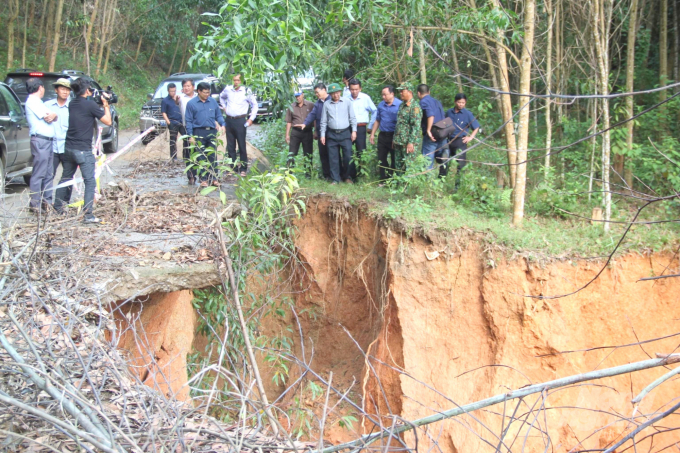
(183, 100)
(60, 125)
(364, 109)
(35, 114)
(237, 102)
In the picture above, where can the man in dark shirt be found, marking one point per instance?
(315, 117)
(83, 115)
(202, 116)
(172, 116)
(433, 112)
(296, 114)
(386, 120)
(464, 121)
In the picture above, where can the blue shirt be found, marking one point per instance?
(387, 115)
(202, 114)
(60, 125)
(463, 120)
(431, 107)
(171, 109)
(315, 114)
(35, 114)
(364, 109)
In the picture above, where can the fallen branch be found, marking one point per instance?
(368, 439)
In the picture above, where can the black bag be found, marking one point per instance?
(442, 129)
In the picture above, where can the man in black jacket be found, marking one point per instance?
(83, 116)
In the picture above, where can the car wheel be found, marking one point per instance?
(27, 179)
(148, 139)
(112, 146)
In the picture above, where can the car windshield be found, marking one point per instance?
(18, 85)
(162, 90)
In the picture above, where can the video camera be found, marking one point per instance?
(111, 96)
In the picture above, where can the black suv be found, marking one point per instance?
(151, 110)
(17, 81)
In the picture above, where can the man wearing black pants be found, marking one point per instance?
(314, 118)
(338, 130)
(173, 118)
(83, 114)
(385, 120)
(202, 115)
(296, 136)
(467, 127)
(236, 100)
(187, 94)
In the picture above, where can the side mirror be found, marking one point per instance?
(149, 96)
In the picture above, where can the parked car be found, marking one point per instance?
(15, 142)
(17, 81)
(151, 110)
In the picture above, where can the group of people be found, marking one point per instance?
(342, 117)
(196, 114)
(61, 131)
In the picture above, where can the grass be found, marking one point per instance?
(545, 232)
(131, 81)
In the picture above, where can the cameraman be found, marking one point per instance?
(83, 116)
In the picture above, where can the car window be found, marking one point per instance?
(13, 105)
(18, 85)
(162, 90)
(216, 88)
(4, 111)
(95, 85)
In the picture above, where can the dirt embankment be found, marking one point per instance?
(413, 325)
(446, 324)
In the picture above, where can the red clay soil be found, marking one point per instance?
(414, 325)
(158, 332)
(460, 328)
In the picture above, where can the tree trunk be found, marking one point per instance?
(184, 56)
(14, 14)
(174, 55)
(504, 83)
(663, 54)
(676, 45)
(394, 51)
(600, 10)
(23, 47)
(139, 46)
(619, 163)
(106, 60)
(153, 52)
(454, 56)
(43, 22)
(106, 21)
(649, 25)
(593, 141)
(548, 89)
(57, 31)
(31, 15)
(49, 29)
(423, 60)
(93, 17)
(524, 88)
(87, 49)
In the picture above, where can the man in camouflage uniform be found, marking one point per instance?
(407, 133)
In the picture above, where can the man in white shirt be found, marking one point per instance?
(365, 111)
(187, 94)
(59, 106)
(236, 100)
(42, 135)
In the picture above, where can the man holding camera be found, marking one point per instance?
(42, 135)
(83, 116)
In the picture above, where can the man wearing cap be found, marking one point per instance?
(364, 110)
(314, 118)
(296, 114)
(338, 130)
(407, 132)
(40, 120)
(59, 106)
(236, 100)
